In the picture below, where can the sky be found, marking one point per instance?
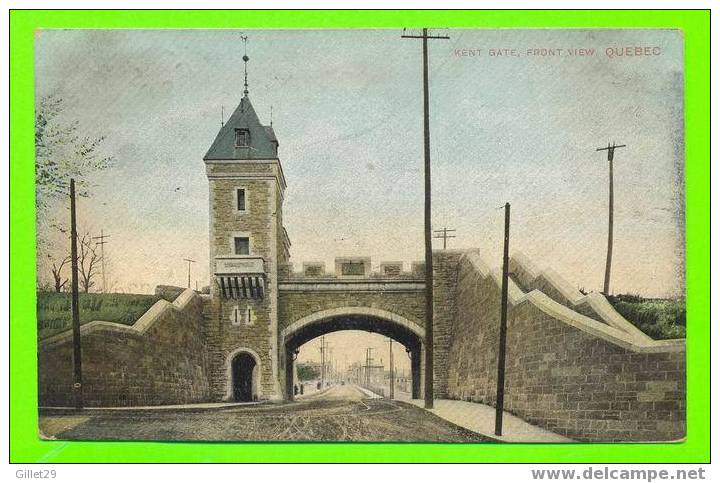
(347, 111)
(348, 346)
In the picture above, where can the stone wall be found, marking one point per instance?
(566, 372)
(296, 305)
(224, 340)
(161, 359)
(445, 277)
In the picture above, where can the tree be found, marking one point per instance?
(56, 269)
(88, 262)
(62, 153)
(307, 373)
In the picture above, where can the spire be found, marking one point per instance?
(245, 59)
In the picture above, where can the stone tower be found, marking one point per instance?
(247, 244)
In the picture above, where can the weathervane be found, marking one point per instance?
(245, 59)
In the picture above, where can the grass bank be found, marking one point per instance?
(658, 318)
(54, 314)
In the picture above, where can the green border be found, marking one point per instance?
(25, 445)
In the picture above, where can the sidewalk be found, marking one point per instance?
(480, 418)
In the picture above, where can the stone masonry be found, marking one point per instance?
(162, 359)
(581, 384)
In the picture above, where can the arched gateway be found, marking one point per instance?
(407, 332)
(243, 375)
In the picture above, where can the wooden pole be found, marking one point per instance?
(74, 304)
(392, 371)
(500, 398)
(429, 373)
(429, 342)
(608, 260)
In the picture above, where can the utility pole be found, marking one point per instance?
(444, 235)
(608, 261)
(102, 243)
(189, 262)
(368, 365)
(77, 348)
(322, 362)
(429, 393)
(392, 371)
(324, 347)
(500, 392)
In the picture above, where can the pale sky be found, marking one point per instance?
(347, 110)
(348, 346)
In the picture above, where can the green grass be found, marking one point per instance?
(658, 318)
(54, 315)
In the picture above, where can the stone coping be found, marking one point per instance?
(596, 301)
(617, 333)
(142, 325)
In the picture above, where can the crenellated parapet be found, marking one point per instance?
(352, 268)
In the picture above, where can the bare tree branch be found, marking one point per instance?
(88, 260)
(57, 274)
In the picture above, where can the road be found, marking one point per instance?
(342, 413)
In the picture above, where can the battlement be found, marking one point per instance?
(349, 268)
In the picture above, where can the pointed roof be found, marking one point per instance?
(263, 143)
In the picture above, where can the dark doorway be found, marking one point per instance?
(243, 365)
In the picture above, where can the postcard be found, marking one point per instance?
(419, 235)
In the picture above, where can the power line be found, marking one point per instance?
(444, 235)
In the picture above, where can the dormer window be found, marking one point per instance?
(242, 138)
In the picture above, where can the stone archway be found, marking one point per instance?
(243, 375)
(403, 330)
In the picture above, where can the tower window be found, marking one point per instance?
(242, 245)
(240, 194)
(242, 138)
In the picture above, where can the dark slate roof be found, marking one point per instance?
(263, 143)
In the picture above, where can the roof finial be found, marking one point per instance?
(271, 115)
(245, 59)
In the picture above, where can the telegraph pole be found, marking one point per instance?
(324, 346)
(368, 365)
(608, 261)
(189, 262)
(500, 392)
(392, 371)
(429, 393)
(444, 235)
(77, 348)
(102, 243)
(322, 362)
